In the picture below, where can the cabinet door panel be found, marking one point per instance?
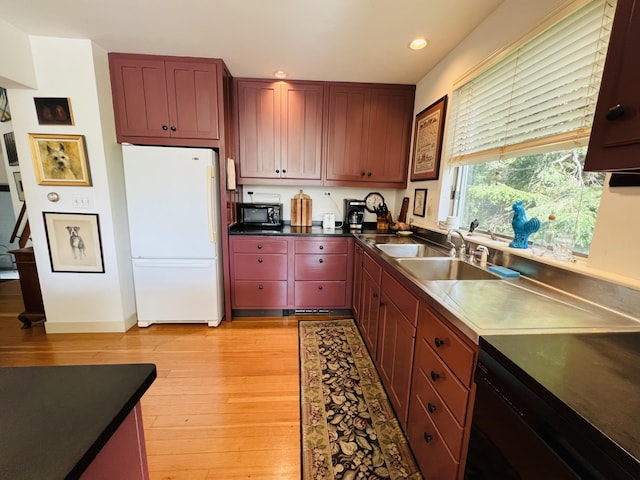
(251, 266)
(390, 127)
(325, 294)
(615, 144)
(259, 129)
(369, 314)
(139, 96)
(258, 294)
(431, 452)
(348, 133)
(193, 99)
(242, 244)
(321, 267)
(301, 127)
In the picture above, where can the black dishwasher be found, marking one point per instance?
(517, 434)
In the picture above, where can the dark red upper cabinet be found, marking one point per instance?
(166, 100)
(615, 135)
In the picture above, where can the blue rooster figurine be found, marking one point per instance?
(522, 227)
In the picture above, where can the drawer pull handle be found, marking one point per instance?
(438, 342)
(431, 407)
(615, 112)
(260, 287)
(321, 261)
(427, 437)
(321, 247)
(434, 376)
(165, 128)
(173, 129)
(375, 295)
(319, 287)
(260, 260)
(259, 246)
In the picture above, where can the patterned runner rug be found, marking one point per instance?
(349, 430)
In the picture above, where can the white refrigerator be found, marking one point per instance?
(174, 210)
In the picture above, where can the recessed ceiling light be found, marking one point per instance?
(280, 74)
(418, 44)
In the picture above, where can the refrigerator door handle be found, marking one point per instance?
(210, 207)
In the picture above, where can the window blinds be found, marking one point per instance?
(539, 97)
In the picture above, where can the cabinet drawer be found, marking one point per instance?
(320, 294)
(325, 245)
(259, 245)
(443, 381)
(405, 301)
(450, 348)
(321, 267)
(259, 294)
(259, 267)
(372, 268)
(433, 457)
(422, 391)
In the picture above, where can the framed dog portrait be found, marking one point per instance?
(60, 159)
(427, 141)
(74, 242)
(53, 111)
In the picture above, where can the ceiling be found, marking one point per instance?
(337, 40)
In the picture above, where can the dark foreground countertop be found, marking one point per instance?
(54, 420)
(592, 379)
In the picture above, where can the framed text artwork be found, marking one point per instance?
(419, 201)
(427, 141)
(60, 159)
(74, 242)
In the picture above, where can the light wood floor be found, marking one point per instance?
(226, 401)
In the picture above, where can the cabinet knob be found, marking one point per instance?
(438, 342)
(319, 287)
(284, 170)
(260, 287)
(369, 174)
(165, 128)
(259, 246)
(277, 170)
(615, 112)
(375, 295)
(431, 407)
(434, 376)
(321, 261)
(260, 260)
(427, 437)
(173, 129)
(362, 174)
(321, 247)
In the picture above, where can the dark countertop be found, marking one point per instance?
(593, 379)
(287, 229)
(55, 420)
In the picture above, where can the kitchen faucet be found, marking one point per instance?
(460, 252)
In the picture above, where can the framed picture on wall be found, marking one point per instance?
(60, 159)
(5, 112)
(427, 141)
(17, 177)
(74, 242)
(10, 145)
(53, 111)
(419, 201)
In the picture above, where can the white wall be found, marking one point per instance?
(614, 245)
(16, 65)
(78, 302)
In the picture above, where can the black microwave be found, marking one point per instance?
(260, 214)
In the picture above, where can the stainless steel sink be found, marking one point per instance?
(444, 269)
(409, 250)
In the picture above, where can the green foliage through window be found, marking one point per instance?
(548, 183)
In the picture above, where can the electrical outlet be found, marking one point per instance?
(326, 194)
(249, 193)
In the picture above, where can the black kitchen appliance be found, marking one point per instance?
(517, 433)
(353, 214)
(260, 215)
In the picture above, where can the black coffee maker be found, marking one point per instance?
(353, 214)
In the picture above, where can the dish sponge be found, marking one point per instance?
(503, 271)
